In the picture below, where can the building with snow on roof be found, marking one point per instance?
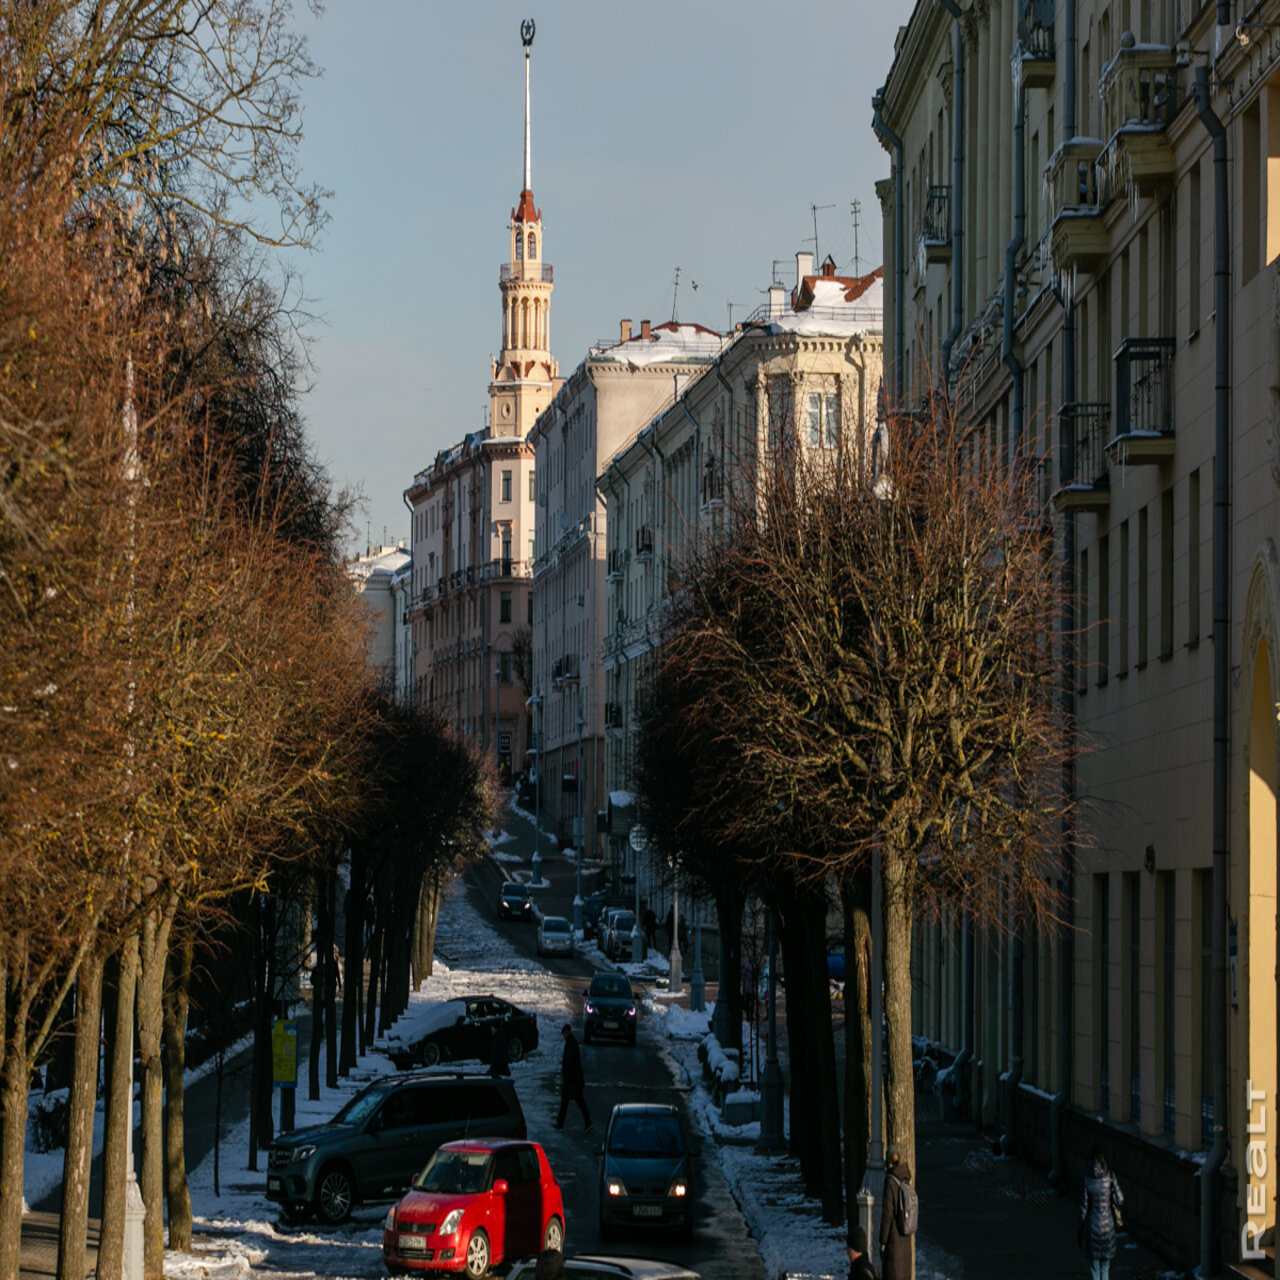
(805, 368)
(472, 517)
(608, 398)
(384, 577)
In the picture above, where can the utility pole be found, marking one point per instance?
(855, 208)
(813, 208)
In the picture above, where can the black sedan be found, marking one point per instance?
(460, 1030)
(514, 902)
(610, 1009)
(646, 1170)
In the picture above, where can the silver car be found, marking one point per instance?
(555, 936)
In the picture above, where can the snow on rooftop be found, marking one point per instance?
(388, 560)
(666, 342)
(832, 313)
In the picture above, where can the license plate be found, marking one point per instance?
(413, 1242)
(611, 1024)
(273, 1184)
(647, 1210)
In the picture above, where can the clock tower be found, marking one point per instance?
(524, 376)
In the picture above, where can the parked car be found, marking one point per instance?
(595, 1266)
(460, 1030)
(514, 902)
(618, 943)
(602, 925)
(555, 936)
(609, 1009)
(382, 1137)
(477, 1203)
(646, 1170)
(592, 905)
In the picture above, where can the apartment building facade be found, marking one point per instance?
(808, 366)
(1072, 259)
(612, 394)
(383, 575)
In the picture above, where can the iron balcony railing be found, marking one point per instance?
(546, 274)
(1035, 29)
(1144, 386)
(712, 482)
(1085, 430)
(935, 228)
(644, 541)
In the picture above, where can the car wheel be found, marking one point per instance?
(553, 1237)
(431, 1054)
(515, 1049)
(335, 1195)
(477, 1254)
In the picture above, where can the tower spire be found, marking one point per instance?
(527, 29)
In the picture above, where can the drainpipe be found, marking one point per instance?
(1015, 245)
(957, 182)
(1221, 648)
(890, 140)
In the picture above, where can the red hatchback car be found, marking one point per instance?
(478, 1202)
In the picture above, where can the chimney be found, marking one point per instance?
(644, 329)
(626, 331)
(804, 267)
(777, 305)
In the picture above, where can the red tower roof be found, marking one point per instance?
(525, 210)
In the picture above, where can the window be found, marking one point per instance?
(1082, 674)
(504, 607)
(1204, 888)
(506, 551)
(1122, 661)
(531, 608)
(504, 665)
(823, 414)
(1168, 885)
(1166, 573)
(1104, 607)
(1134, 892)
(533, 246)
(532, 492)
(519, 244)
(1193, 558)
(506, 486)
(1144, 570)
(1102, 986)
(1193, 250)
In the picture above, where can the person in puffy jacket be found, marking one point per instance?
(1097, 1229)
(895, 1248)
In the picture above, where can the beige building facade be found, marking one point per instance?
(383, 575)
(606, 401)
(472, 514)
(809, 366)
(1050, 258)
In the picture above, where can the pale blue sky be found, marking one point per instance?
(665, 134)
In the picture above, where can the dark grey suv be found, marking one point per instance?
(373, 1147)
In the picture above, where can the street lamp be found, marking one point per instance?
(673, 981)
(577, 897)
(536, 701)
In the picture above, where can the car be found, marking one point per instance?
(618, 942)
(598, 1266)
(609, 1008)
(373, 1147)
(602, 924)
(646, 1170)
(477, 1203)
(514, 902)
(459, 1030)
(555, 936)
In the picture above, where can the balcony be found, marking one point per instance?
(1139, 92)
(564, 669)
(615, 563)
(612, 715)
(1144, 402)
(523, 272)
(644, 543)
(712, 486)
(1077, 236)
(934, 244)
(1033, 56)
(1086, 481)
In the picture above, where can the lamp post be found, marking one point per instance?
(673, 982)
(581, 832)
(537, 786)
(771, 1135)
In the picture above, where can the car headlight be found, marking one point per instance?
(615, 1187)
(302, 1153)
(590, 1008)
(631, 1013)
(389, 1222)
(450, 1224)
(678, 1188)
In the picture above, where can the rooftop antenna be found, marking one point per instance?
(813, 208)
(731, 306)
(776, 278)
(855, 207)
(675, 296)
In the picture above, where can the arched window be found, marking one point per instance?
(533, 246)
(519, 243)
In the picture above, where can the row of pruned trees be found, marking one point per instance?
(861, 670)
(189, 734)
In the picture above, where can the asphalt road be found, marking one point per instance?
(722, 1247)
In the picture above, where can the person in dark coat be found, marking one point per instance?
(895, 1248)
(1097, 1229)
(860, 1267)
(572, 1080)
(498, 1061)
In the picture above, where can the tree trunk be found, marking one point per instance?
(855, 893)
(900, 1097)
(375, 970)
(13, 1132)
(73, 1225)
(353, 963)
(729, 903)
(177, 997)
(331, 981)
(119, 1113)
(155, 946)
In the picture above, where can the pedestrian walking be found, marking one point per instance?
(498, 1061)
(860, 1267)
(1100, 1216)
(897, 1218)
(572, 1080)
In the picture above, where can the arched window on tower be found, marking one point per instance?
(519, 243)
(533, 246)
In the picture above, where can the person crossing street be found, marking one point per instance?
(572, 1079)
